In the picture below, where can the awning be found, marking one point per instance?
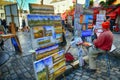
(68, 13)
(73, 1)
(64, 16)
(118, 11)
(2, 2)
(112, 15)
(54, 1)
(108, 10)
(95, 12)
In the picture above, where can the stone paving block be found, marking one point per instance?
(117, 72)
(100, 79)
(9, 65)
(79, 70)
(23, 70)
(71, 75)
(31, 71)
(74, 79)
(115, 69)
(13, 76)
(61, 79)
(11, 53)
(93, 76)
(87, 74)
(85, 77)
(33, 76)
(14, 64)
(91, 79)
(68, 78)
(105, 77)
(6, 73)
(78, 74)
(4, 69)
(28, 68)
(21, 76)
(27, 75)
(19, 71)
(77, 78)
(8, 77)
(112, 73)
(114, 78)
(12, 71)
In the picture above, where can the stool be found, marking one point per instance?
(107, 61)
(107, 58)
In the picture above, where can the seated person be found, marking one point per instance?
(2, 31)
(1, 44)
(102, 44)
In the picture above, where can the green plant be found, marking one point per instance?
(107, 3)
(102, 3)
(91, 2)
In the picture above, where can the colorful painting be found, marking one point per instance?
(41, 66)
(48, 61)
(59, 65)
(41, 9)
(49, 30)
(43, 20)
(38, 32)
(40, 70)
(58, 29)
(59, 37)
(44, 40)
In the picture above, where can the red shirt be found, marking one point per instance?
(104, 41)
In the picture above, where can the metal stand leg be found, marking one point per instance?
(108, 64)
(80, 57)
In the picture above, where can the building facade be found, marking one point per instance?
(2, 12)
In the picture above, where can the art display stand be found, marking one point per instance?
(83, 20)
(46, 33)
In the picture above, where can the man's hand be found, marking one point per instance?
(87, 44)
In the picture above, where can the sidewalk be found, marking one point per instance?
(21, 67)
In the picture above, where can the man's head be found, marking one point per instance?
(106, 25)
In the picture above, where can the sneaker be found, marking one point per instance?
(85, 65)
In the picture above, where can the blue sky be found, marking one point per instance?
(26, 3)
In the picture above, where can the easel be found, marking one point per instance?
(12, 34)
(13, 31)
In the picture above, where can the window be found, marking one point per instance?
(2, 14)
(1, 7)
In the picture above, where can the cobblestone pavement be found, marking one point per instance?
(101, 74)
(20, 67)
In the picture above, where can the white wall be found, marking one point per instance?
(59, 7)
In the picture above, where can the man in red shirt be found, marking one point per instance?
(102, 44)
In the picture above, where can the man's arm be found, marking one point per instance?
(99, 41)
